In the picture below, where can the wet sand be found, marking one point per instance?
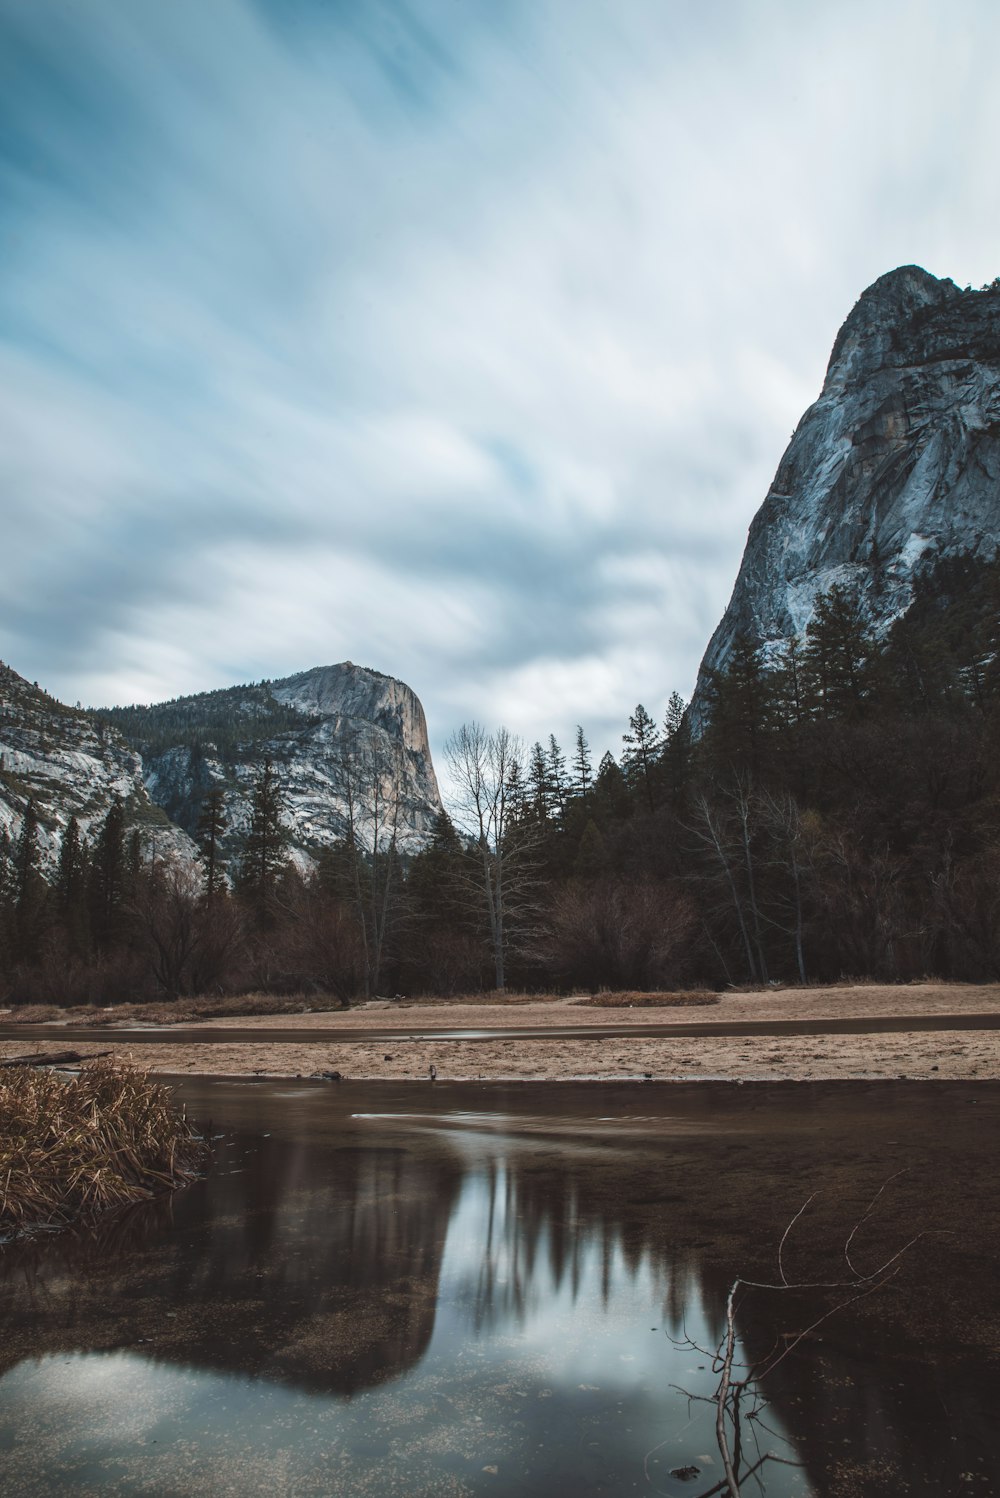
(409, 1049)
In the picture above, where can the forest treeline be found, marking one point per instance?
(229, 720)
(838, 815)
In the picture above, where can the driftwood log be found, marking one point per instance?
(52, 1058)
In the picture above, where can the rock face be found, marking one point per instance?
(305, 725)
(70, 766)
(896, 465)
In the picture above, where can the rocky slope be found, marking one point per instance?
(895, 466)
(70, 766)
(306, 725)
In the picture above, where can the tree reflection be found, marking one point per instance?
(321, 1266)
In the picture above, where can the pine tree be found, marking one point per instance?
(558, 779)
(109, 878)
(30, 890)
(444, 945)
(582, 765)
(742, 711)
(7, 906)
(264, 845)
(539, 784)
(210, 828)
(26, 853)
(643, 746)
(840, 654)
(675, 757)
(611, 798)
(791, 686)
(439, 876)
(71, 888)
(592, 855)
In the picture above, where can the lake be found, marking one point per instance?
(456, 1289)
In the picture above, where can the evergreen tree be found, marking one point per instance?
(791, 686)
(582, 765)
(558, 779)
(26, 854)
(741, 711)
(675, 757)
(264, 858)
(592, 854)
(335, 868)
(437, 883)
(30, 889)
(642, 750)
(133, 859)
(540, 797)
(517, 799)
(445, 947)
(611, 798)
(71, 888)
(109, 878)
(210, 828)
(840, 654)
(7, 925)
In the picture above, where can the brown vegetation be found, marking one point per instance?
(176, 1012)
(72, 1149)
(629, 1000)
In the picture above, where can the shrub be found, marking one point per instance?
(70, 1150)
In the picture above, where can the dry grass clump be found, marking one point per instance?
(172, 1012)
(627, 1000)
(490, 997)
(72, 1149)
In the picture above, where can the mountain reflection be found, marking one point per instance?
(331, 1264)
(322, 1266)
(318, 1268)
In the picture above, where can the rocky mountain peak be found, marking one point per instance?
(351, 691)
(871, 335)
(896, 465)
(306, 725)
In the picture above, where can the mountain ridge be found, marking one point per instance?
(894, 466)
(306, 724)
(70, 765)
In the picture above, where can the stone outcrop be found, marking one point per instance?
(896, 465)
(70, 766)
(305, 724)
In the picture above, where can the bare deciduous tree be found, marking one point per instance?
(487, 771)
(616, 933)
(190, 938)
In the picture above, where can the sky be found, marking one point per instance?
(457, 338)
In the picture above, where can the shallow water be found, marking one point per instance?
(394, 1289)
(404, 1031)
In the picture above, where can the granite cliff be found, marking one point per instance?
(305, 724)
(895, 466)
(70, 765)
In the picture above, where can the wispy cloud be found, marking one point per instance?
(461, 340)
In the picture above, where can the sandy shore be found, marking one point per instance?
(968, 1054)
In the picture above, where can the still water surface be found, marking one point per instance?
(390, 1290)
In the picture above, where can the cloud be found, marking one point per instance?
(460, 341)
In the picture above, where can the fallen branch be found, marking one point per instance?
(52, 1058)
(855, 1286)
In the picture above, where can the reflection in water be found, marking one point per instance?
(434, 1301)
(319, 1268)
